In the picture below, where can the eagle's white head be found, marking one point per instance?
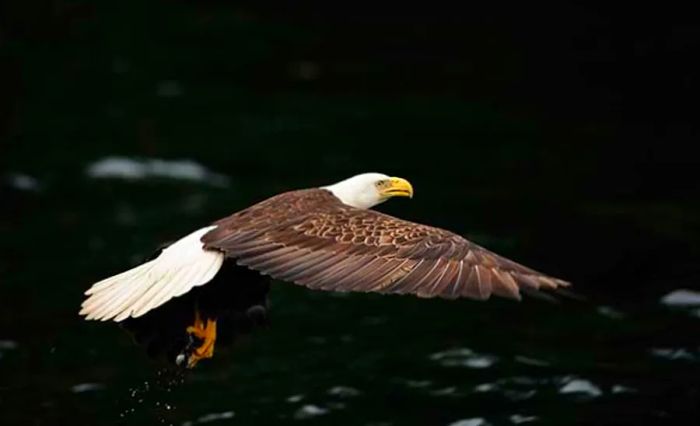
(369, 189)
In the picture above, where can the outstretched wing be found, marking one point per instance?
(310, 238)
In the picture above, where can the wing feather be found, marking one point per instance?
(310, 238)
(178, 268)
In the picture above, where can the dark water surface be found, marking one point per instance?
(327, 358)
(541, 139)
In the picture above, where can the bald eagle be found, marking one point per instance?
(212, 284)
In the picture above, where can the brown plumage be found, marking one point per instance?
(310, 238)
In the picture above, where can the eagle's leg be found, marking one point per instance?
(206, 332)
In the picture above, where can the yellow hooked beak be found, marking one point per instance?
(396, 187)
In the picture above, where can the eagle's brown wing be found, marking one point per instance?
(310, 238)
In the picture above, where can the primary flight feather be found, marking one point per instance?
(323, 238)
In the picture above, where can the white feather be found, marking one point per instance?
(358, 191)
(180, 267)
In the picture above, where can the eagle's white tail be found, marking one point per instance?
(180, 267)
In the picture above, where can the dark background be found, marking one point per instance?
(561, 137)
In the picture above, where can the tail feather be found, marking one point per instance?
(180, 267)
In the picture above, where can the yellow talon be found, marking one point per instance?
(206, 333)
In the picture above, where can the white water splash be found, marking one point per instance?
(519, 419)
(463, 357)
(681, 298)
(133, 169)
(516, 388)
(531, 361)
(486, 387)
(343, 391)
(293, 399)
(674, 354)
(211, 417)
(308, 411)
(574, 385)
(476, 421)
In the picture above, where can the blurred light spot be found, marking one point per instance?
(418, 383)
(622, 389)
(86, 387)
(517, 388)
(580, 386)
(343, 391)
(463, 357)
(212, 417)
(448, 391)
(169, 89)
(531, 361)
(23, 182)
(476, 421)
(131, 169)
(673, 354)
(295, 398)
(8, 345)
(486, 387)
(519, 394)
(681, 297)
(519, 418)
(309, 411)
(207, 418)
(609, 312)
